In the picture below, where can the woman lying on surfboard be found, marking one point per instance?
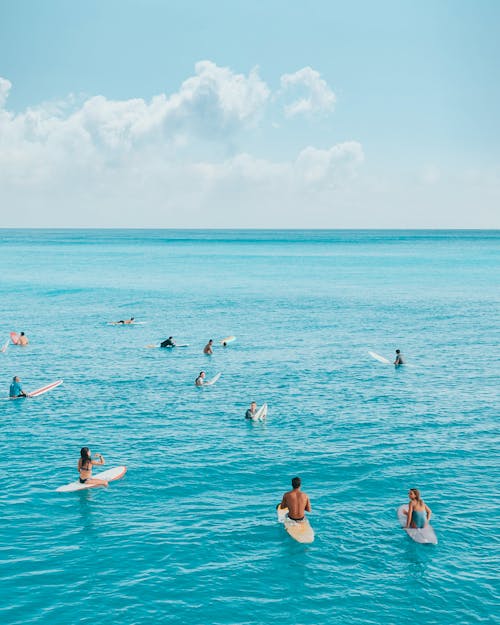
(85, 464)
(418, 513)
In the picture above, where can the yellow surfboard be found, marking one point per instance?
(301, 531)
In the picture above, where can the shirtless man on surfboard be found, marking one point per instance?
(296, 501)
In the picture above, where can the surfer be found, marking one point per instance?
(418, 513)
(15, 388)
(200, 380)
(296, 501)
(126, 321)
(85, 464)
(399, 358)
(252, 411)
(23, 339)
(168, 342)
(208, 348)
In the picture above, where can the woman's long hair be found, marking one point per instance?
(85, 459)
(416, 492)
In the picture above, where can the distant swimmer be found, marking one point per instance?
(399, 358)
(296, 501)
(168, 342)
(23, 339)
(85, 464)
(418, 513)
(126, 321)
(252, 411)
(200, 380)
(16, 389)
(208, 348)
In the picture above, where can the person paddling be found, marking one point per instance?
(85, 464)
(168, 342)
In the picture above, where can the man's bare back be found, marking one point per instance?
(296, 501)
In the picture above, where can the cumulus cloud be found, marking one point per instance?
(161, 162)
(315, 96)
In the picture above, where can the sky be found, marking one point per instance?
(250, 114)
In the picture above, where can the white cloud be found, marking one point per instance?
(163, 162)
(317, 97)
(5, 86)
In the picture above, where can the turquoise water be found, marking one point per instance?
(190, 534)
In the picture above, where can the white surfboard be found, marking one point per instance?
(261, 413)
(212, 381)
(4, 346)
(301, 531)
(109, 475)
(424, 535)
(40, 391)
(227, 340)
(379, 358)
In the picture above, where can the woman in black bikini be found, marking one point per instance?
(85, 464)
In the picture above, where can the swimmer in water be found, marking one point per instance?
(200, 380)
(418, 514)
(85, 464)
(208, 348)
(399, 358)
(23, 339)
(126, 321)
(252, 411)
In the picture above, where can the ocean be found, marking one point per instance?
(190, 534)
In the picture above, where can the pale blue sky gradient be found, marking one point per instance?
(416, 83)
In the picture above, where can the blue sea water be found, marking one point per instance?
(190, 534)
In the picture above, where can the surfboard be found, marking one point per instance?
(40, 391)
(301, 531)
(379, 358)
(212, 381)
(4, 347)
(228, 339)
(261, 413)
(45, 389)
(110, 475)
(424, 535)
(14, 337)
(134, 323)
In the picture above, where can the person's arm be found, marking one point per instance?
(283, 503)
(429, 514)
(101, 459)
(78, 464)
(409, 515)
(308, 505)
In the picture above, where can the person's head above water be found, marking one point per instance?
(22, 333)
(210, 341)
(202, 373)
(16, 378)
(170, 337)
(85, 454)
(253, 404)
(398, 351)
(414, 493)
(296, 482)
